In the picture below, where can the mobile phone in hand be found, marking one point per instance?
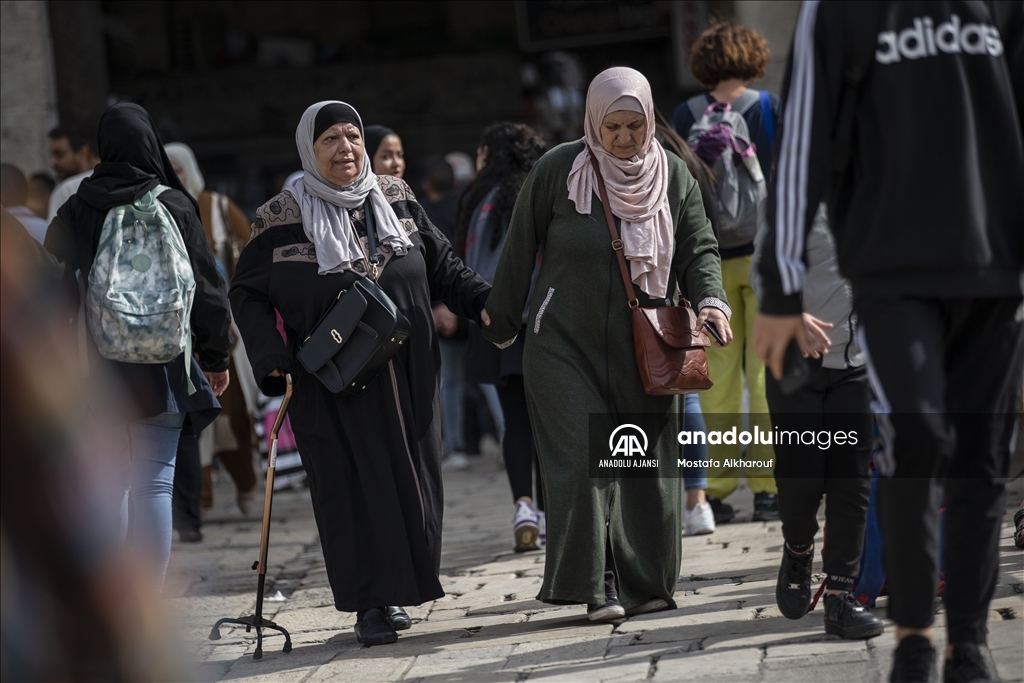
(795, 369)
(713, 331)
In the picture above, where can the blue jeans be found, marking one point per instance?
(694, 477)
(453, 383)
(147, 456)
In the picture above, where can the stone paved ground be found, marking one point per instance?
(489, 627)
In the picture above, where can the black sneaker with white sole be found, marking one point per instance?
(611, 609)
(914, 661)
(847, 618)
(793, 588)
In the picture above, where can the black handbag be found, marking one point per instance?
(359, 333)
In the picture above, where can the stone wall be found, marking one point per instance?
(776, 22)
(28, 101)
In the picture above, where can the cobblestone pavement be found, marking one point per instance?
(489, 627)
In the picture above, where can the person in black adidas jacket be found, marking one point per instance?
(906, 118)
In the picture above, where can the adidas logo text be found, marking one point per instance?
(924, 39)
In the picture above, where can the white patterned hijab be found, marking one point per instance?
(324, 206)
(182, 155)
(637, 187)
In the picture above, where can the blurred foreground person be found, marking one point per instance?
(14, 197)
(373, 460)
(612, 543)
(930, 238)
(384, 148)
(73, 606)
(136, 177)
(506, 154)
(230, 437)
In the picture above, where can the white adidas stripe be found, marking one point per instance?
(791, 191)
(886, 460)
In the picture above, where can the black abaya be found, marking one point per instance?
(373, 461)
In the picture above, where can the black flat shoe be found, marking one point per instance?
(398, 617)
(793, 588)
(847, 618)
(373, 628)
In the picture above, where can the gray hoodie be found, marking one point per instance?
(826, 294)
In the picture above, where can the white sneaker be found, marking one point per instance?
(455, 462)
(542, 523)
(525, 528)
(699, 521)
(490, 447)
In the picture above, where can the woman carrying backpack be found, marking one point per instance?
(726, 59)
(136, 176)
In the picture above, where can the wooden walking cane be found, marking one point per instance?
(256, 620)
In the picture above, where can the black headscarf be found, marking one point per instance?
(373, 136)
(334, 113)
(132, 160)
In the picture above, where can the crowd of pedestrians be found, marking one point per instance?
(853, 273)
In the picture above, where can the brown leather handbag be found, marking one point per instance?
(670, 351)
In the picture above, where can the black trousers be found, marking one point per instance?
(948, 373)
(832, 401)
(520, 454)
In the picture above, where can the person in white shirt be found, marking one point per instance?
(72, 157)
(13, 194)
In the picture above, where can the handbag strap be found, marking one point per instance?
(373, 259)
(616, 242)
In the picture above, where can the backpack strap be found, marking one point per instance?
(157, 191)
(767, 118)
(747, 99)
(697, 104)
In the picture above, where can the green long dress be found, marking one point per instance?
(579, 360)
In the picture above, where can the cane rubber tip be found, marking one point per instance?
(215, 634)
(287, 648)
(258, 654)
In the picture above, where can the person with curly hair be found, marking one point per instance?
(505, 155)
(726, 58)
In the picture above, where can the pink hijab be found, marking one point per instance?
(637, 187)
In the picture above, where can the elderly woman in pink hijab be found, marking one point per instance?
(613, 537)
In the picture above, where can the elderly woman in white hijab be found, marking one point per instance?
(373, 461)
(613, 542)
(230, 436)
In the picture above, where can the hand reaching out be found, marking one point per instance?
(218, 381)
